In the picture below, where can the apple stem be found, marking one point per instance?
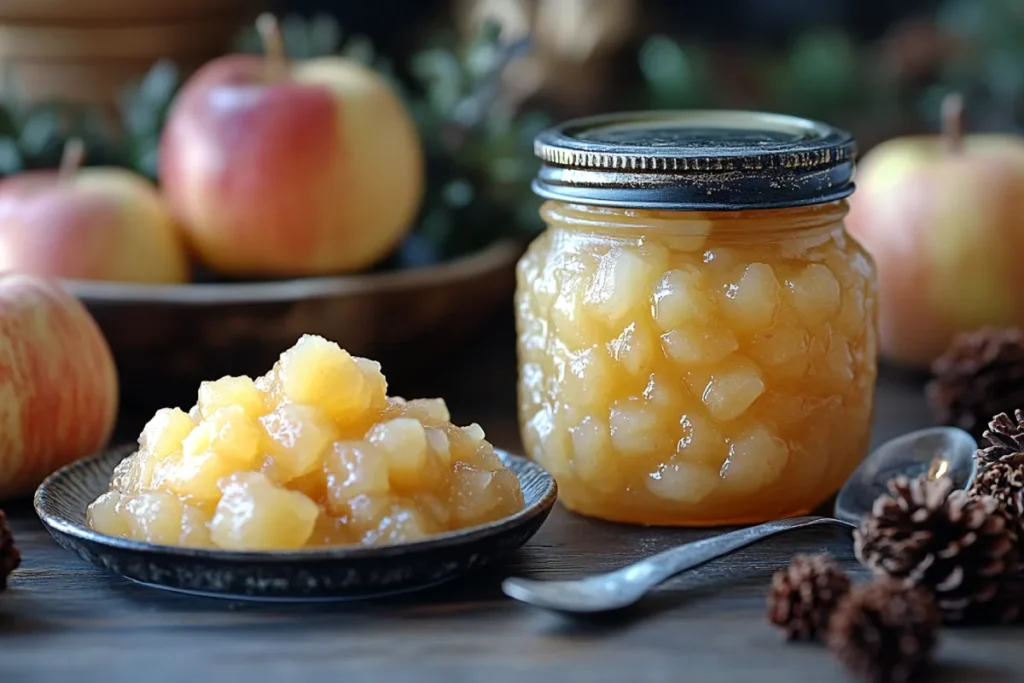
(72, 158)
(953, 122)
(273, 45)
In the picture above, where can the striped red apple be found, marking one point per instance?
(58, 383)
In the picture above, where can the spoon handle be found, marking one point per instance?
(658, 568)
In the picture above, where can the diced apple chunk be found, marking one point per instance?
(635, 428)
(680, 299)
(756, 459)
(354, 468)
(320, 373)
(593, 459)
(229, 433)
(814, 293)
(197, 476)
(634, 349)
(702, 441)
(480, 496)
(155, 517)
(254, 514)
(732, 389)
(164, 433)
(429, 411)
(106, 515)
(375, 385)
(296, 437)
(619, 286)
(195, 527)
(232, 391)
(682, 482)
(404, 445)
(403, 523)
(749, 304)
(694, 346)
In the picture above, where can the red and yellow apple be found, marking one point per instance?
(89, 224)
(59, 397)
(941, 215)
(303, 168)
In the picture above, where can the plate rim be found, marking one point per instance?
(501, 252)
(449, 539)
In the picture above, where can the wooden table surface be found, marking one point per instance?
(64, 620)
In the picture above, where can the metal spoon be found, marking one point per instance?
(939, 451)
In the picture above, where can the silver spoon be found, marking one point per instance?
(939, 451)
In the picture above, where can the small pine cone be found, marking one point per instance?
(961, 547)
(980, 375)
(803, 596)
(884, 632)
(1005, 438)
(1005, 483)
(10, 558)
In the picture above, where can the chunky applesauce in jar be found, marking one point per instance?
(708, 363)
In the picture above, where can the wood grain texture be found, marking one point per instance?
(64, 620)
(241, 328)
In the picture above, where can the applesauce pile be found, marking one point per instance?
(711, 369)
(312, 454)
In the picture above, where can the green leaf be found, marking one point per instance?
(360, 49)
(324, 35)
(160, 83)
(10, 157)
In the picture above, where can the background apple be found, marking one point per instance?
(89, 224)
(942, 217)
(290, 169)
(58, 398)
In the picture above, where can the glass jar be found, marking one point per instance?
(696, 329)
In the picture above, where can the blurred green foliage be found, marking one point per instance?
(975, 47)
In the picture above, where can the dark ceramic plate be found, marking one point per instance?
(321, 574)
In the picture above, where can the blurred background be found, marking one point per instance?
(876, 67)
(481, 78)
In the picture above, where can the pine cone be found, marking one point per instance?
(980, 374)
(1005, 483)
(1005, 438)
(883, 631)
(10, 558)
(961, 547)
(803, 596)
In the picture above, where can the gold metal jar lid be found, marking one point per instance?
(702, 160)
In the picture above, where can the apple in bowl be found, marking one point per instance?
(88, 224)
(288, 169)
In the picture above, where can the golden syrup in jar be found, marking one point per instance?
(695, 367)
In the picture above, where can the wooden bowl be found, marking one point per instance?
(166, 339)
(118, 11)
(85, 58)
(96, 81)
(152, 41)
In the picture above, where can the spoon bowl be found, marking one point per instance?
(935, 452)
